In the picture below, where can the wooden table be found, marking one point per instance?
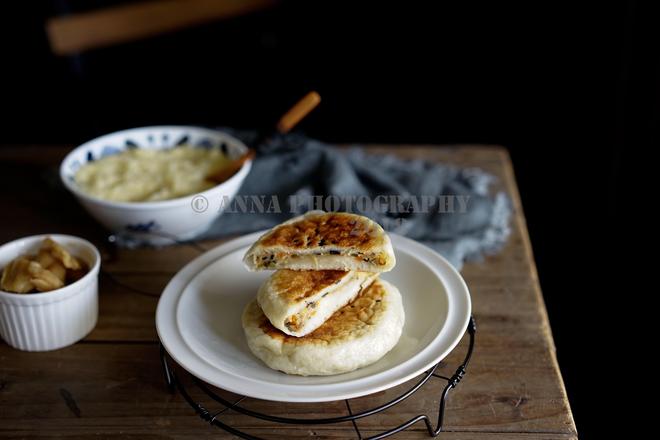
(111, 383)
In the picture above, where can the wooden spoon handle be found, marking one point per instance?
(233, 167)
(289, 120)
(296, 113)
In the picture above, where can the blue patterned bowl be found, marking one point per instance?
(157, 222)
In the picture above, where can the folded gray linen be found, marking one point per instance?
(448, 208)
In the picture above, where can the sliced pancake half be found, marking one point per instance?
(297, 302)
(357, 335)
(321, 240)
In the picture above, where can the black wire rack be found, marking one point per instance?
(212, 417)
(174, 384)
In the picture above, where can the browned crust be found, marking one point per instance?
(296, 285)
(349, 320)
(337, 229)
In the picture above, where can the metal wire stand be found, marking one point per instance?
(174, 384)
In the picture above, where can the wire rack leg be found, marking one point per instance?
(355, 426)
(452, 382)
(169, 378)
(174, 384)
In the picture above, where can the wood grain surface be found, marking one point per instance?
(111, 383)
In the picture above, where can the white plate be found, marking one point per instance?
(199, 322)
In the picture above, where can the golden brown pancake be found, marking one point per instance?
(347, 322)
(323, 241)
(294, 286)
(357, 335)
(329, 229)
(299, 301)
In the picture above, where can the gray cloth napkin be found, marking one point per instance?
(294, 165)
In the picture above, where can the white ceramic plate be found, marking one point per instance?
(199, 322)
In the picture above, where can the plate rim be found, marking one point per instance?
(168, 332)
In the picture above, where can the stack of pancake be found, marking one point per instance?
(324, 310)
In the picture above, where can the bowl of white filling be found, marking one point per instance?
(156, 184)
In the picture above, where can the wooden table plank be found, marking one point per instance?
(513, 388)
(112, 382)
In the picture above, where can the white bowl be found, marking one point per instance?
(157, 222)
(55, 319)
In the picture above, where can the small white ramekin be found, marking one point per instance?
(55, 319)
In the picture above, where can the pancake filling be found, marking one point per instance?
(273, 260)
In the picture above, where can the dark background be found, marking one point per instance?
(569, 87)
